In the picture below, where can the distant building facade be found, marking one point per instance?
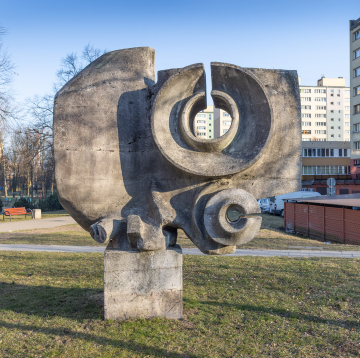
(222, 122)
(325, 111)
(204, 123)
(355, 96)
(324, 159)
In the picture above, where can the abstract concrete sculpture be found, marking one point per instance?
(130, 169)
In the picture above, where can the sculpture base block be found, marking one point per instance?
(143, 284)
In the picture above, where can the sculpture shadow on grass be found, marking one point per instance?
(348, 324)
(135, 347)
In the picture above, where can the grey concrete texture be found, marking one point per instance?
(143, 284)
(130, 169)
(238, 252)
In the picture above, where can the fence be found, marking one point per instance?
(324, 223)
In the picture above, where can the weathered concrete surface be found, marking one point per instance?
(130, 170)
(143, 284)
(36, 214)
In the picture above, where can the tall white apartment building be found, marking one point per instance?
(204, 123)
(222, 122)
(325, 111)
(355, 96)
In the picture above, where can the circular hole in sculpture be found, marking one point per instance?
(234, 216)
(211, 123)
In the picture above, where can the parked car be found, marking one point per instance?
(277, 202)
(264, 205)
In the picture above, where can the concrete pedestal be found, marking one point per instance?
(36, 213)
(143, 284)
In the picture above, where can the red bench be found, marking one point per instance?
(15, 211)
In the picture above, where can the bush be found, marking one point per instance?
(24, 202)
(51, 203)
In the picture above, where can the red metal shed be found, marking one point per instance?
(327, 218)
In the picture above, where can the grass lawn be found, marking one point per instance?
(233, 307)
(269, 237)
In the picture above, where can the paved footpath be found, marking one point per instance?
(68, 220)
(30, 224)
(268, 253)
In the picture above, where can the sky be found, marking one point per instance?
(311, 37)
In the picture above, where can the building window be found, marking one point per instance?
(332, 119)
(347, 124)
(306, 124)
(306, 131)
(347, 108)
(357, 127)
(356, 35)
(320, 124)
(357, 109)
(357, 72)
(357, 53)
(201, 115)
(320, 91)
(319, 152)
(346, 100)
(200, 127)
(320, 115)
(357, 91)
(357, 145)
(305, 107)
(226, 114)
(227, 123)
(332, 127)
(201, 121)
(225, 130)
(347, 115)
(347, 132)
(325, 169)
(305, 90)
(320, 99)
(332, 103)
(332, 136)
(305, 99)
(339, 127)
(306, 115)
(320, 131)
(345, 153)
(321, 107)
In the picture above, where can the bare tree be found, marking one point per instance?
(6, 77)
(40, 110)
